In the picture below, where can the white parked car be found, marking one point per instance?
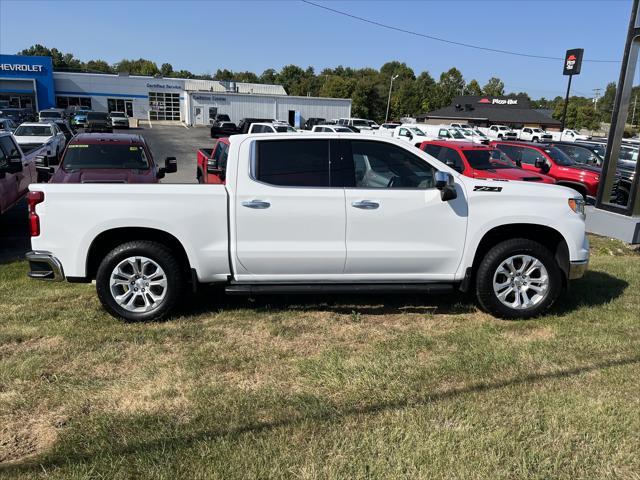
(472, 135)
(119, 120)
(330, 129)
(389, 219)
(410, 132)
(34, 135)
(532, 134)
(499, 132)
(359, 123)
(443, 132)
(274, 127)
(568, 135)
(51, 114)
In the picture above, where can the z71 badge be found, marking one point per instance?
(483, 188)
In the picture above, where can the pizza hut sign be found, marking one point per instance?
(573, 61)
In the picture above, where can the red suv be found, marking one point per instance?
(552, 161)
(110, 158)
(480, 161)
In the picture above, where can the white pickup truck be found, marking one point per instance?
(313, 213)
(568, 135)
(499, 132)
(533, 134)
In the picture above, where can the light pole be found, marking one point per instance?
(386, 117)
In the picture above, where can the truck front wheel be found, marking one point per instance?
(518, 278)
(140, 280)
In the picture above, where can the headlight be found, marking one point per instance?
(577, 205)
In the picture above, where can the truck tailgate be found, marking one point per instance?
(73, 215)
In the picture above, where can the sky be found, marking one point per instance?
(202, 36)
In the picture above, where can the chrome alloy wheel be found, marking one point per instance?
(138, 284)
(521, 282)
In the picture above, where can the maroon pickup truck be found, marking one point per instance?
(110, 158)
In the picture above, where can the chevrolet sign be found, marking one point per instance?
(18, 67)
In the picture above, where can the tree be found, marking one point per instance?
(473, 88)
(450, 85)
(166, 69)
(140, 66)
(605, 105)
(98, 66)
(268, 76)
(493, 88)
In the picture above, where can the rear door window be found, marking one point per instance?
(292, 163)
(433, 150)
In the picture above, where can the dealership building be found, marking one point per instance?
(30, 82)
(484, 111)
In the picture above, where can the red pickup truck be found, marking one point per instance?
(212, 162)
(480, 161)
(109, 158)
(551, 161)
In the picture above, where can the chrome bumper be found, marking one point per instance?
(578, 269)
(44, 266)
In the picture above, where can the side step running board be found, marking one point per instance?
(331, 288)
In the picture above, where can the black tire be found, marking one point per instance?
(493, 259)
(156, 252)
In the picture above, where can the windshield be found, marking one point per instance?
(456, 134)
(118, 114)
(488, 159)
(96, 116)
(559, 157)
(362, 123)
(417, 131)
(50, 115)
(341, 129)
(33, 131)
(83, 156)
(627, 153)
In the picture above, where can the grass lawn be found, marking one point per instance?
(323, 387)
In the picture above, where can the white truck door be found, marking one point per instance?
(289, 221)
(397, 225)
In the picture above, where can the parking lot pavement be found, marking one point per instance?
(14, 233)
(180, 142)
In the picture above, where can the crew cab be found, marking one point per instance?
(109, 158)
(533, 134)
(410, 132)
(119, 120)
(32, 136)
(480, 161)
(17, 171)
(499, 132)
(98, 122)
(274, 127)
(223, 129)
(552, 161)
(51, 114)
(313, 213)
(568, 135)
(212, 162)
(473, 135)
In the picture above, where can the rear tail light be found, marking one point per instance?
(33, 199)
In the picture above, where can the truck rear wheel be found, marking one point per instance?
(140, 280)
(518, 278)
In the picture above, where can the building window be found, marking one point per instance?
(120, 105)
(66, 102)
(164, 106)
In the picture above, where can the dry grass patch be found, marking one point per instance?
(530, 334)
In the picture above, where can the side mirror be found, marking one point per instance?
(540, 163)
(446, 185)
(161, 173)
(170, 165)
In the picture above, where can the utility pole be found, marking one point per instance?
(596, 97)
(386, 118)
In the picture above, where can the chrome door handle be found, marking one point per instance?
(257, 204)
(365, 204)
